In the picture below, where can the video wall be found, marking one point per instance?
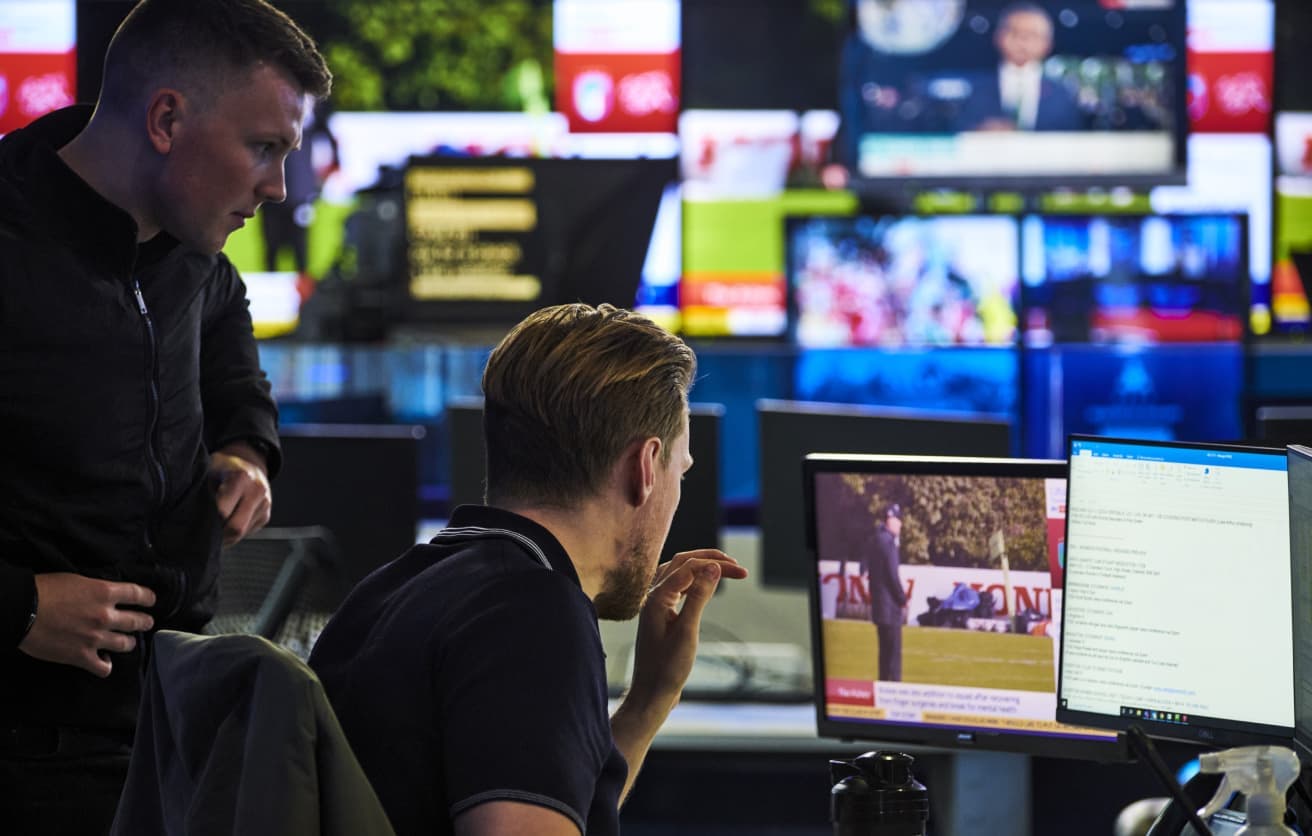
(767, 115)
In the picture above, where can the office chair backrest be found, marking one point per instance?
(281, 584)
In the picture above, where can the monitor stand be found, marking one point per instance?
(977, 792)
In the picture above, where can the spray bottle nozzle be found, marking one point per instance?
(1263, 774)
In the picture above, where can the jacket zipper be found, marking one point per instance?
(152, 432)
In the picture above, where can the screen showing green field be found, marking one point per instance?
(940, 600)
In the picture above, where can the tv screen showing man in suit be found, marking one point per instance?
(990, 89)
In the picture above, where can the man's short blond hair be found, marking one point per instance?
(568, 390)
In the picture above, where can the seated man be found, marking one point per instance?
(468, 674)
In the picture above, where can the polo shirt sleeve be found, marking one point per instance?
(522, 711)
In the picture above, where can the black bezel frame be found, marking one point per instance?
(1042, 744)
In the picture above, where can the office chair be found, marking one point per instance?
(235, 736)
(282, 584)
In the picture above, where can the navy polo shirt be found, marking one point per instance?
(471, 669)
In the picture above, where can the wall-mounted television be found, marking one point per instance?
(903, 281)
(490, 239)
(1136, 279)
(1051, 92)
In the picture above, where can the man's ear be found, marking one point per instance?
(164, 112)
(642, 461)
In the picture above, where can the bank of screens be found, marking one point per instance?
(903, 281)
(1134, 278)
(994, 89)
(936, 594)
(1177, 603)
(1300, 543)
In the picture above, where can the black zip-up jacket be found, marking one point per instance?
(121, 366)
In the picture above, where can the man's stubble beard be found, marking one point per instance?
(626, 586)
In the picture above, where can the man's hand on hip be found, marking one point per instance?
(80, 621)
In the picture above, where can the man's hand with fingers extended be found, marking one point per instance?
(668, 628)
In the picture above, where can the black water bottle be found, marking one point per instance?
(876, 795)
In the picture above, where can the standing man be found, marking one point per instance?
(136, 428)
(888, 598)
(1017, 95)
(468, 674)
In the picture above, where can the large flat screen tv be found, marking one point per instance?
(903, 281)
(1134, 279)
(1052, 92)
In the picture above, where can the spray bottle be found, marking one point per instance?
(1263, 774)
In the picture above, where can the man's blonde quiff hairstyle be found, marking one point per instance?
(568, 390)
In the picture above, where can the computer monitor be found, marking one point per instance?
(1299, 458)
(1289, 424)
(360, 481)
(1176, 615)
(697, 521)
(935, 590)
(789, 430)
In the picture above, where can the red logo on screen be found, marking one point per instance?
(849, 691)
(618, 93)
(1230, 92)
(32, 85)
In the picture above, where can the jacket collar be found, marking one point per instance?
(59, 203)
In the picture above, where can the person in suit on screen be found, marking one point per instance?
(1017, 95)
(888, 598)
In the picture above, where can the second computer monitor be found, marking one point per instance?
(1177, 614)
(789, 430)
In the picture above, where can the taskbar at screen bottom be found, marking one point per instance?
(1190, 728)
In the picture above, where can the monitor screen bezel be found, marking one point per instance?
(1302, 734)
(1042, 744)
(1231, 733)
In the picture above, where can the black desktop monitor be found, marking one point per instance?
(1300, 549)
(360, 481)
(697, 520)
(1176, 614)
(935, 590)
(789, 430)
(1051, 93)
(1280, 425)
